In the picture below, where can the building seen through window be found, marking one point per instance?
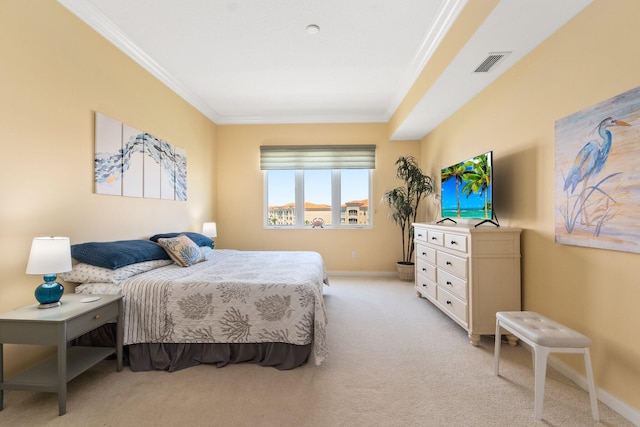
(357, 213)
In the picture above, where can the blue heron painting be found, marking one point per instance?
(592, 157)
(597, 182)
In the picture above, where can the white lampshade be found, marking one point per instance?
(49, 255)
(209, 229)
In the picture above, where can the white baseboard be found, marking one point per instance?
(622, 408)
(604, 396)
(363, 273)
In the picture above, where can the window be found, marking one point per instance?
(281, 185)
(328, 194)
(307, 176)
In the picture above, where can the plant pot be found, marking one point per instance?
(405, 270)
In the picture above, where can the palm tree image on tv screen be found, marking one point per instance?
(466, 189)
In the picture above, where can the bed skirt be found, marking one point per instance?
(173, 357)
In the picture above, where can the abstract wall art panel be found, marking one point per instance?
(108, 158)
(152, 164)
(167, 172)
(130, 162)
(181, 173)
(597, 179)
(133, 179)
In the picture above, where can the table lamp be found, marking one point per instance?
(49, 256)
(209, 229)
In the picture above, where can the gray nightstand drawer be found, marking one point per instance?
(91, 320)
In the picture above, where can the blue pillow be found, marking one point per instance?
(117, 254)
(198, 239)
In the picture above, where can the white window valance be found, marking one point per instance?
(279, 157)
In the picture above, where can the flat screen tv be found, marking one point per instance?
(466, 190)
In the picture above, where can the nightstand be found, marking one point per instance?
(58, 326)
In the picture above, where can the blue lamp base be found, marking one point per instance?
(49, 293)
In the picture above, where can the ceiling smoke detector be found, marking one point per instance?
(490, 62)
(313, 29)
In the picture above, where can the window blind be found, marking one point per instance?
(278, 157)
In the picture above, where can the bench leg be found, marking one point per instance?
(540, 361)
(592, 387)
(496, 351)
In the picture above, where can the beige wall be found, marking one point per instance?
(240, 195)
(54, 73)
(592, 58)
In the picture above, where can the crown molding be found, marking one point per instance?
(107, 29)
(442, 23)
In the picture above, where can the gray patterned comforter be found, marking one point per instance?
(234, 296)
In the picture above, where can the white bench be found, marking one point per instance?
(545, 336)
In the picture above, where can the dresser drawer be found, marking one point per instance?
(435, 237)
(453, 264)
(455, 242)
(426, 286)
(91, 320)
(419, 234)
(452, 305)
(453, 284)
(428, 254)
(426, 269)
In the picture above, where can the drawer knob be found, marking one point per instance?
(449, 302)
(424, 284)
(424, 269)
(449, 263)
(424, 254)
(453, 242)
(419, 235)
(449, 283)
(434, 238)
(97, 316)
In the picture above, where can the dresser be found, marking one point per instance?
(469, 273)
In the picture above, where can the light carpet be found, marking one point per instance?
(395, 360)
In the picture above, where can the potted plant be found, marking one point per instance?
(404, 202)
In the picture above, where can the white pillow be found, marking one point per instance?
(86, 273)
(99, 288)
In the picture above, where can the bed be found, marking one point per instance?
(229, 306)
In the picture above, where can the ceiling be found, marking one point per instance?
(253, 61)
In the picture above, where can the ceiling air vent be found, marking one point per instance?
(490, 61)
